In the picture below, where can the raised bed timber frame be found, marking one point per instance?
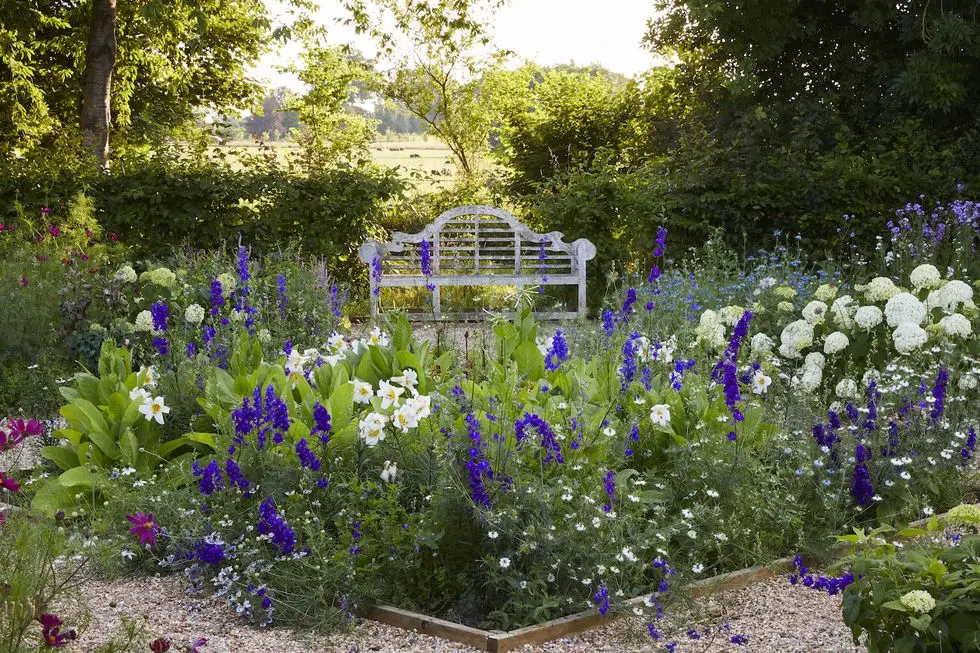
(501, 642)
(478, 246)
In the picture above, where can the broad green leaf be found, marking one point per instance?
(342, 405)
(63, 457)
(529, 360)
(81, 477)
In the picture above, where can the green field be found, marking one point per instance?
(427, 163)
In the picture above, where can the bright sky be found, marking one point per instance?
(547, 32)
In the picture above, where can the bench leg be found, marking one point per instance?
(581, 291)
(374, 298)
(437, 302)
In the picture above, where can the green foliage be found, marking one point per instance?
(922, 597)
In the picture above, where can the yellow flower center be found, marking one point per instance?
(155, 408)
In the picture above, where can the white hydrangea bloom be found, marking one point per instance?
(956, 325)
(919, 601)
(785, 307)
(730, 315)
(904, 307)
(795, 337)
(125, 274)
(925, 276)
(144, 321)
(761, 344)
(843, 310)
(161, 277)
(711, 331)
(950, 296)
(847, 389)
(835, 342)
(968, 382)
(812, 376)
(265, 336)
(228, 282)
(825, 292)
(815, 359)
(880, 289)
(908, 337)
(194, 314)
(868, 317)
(815, 312)
(869, 376)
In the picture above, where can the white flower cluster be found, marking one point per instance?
(194, 314)
(843, 310)
(711, 330)
(925, 277)
(908, 337)
(815, 312)
(796, 336)
(868, 317)
(951, 296)
(406, 412)
(904, 308)
(880, 289)
(835, 343)
(956, 325)
(125, 274)
(761, 344)
(919, 601)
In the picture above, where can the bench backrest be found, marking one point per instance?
(479, 241)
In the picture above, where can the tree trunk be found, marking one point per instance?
(100, 57)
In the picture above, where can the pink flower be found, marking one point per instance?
(53, 637)
(54, 230)
(144, 528)
(8, 483)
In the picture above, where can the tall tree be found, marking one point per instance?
(100, 59)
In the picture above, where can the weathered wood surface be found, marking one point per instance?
(478, 246)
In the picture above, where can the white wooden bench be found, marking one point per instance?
(478, 246)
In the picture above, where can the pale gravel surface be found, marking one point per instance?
(778, 618)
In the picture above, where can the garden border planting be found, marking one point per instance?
(573, 624)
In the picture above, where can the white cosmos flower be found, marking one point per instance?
(405, 417)
(154, 409)
(760, 382)
(660, 414)
(389, 394)
(363, 391)
(389, 472)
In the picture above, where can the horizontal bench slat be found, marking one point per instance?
(480, 280)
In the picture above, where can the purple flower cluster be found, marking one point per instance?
(627, 371)
(243, 271)
(601, 598)
(161, 345)
(425, 256)
(939, 395)
(608, 322)
(211, 480)
(272, 415)
(321, 423)
(355, 537)
(336, 302)
(282, 299)
(557, 352)
(275, 527)
(828, 584)
(217, 297)
(861, 488)
(235, 476)
(210, 549)
(627, 311)
(677, 376)
(160, 313)
(307, 458)
(658, 251)
(631, 439)
(477, 467)
(548, 442)
(971, 445)
(610, 483)
(376, 274)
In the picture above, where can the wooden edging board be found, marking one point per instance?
(501, 642)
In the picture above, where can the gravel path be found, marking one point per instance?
(776, 616)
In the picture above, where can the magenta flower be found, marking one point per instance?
(160, 645)
(144, 528)
(51, 632)
(7, 483)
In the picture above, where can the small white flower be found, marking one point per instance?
(698, 568)
(580, 527)
(712, 493)
(362, 391)
(493, 535)
(660, 414)
(389, 394)
(126, 553)
(389, 472)
(760, 382)
(504, 563)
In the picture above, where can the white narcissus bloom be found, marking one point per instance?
(904, 308)
(154, 409)
(835, 342)
(847, 389)
(372, 428)
(194, 314)
(815, 312)
(378, 338)
(389, 394)
(144, 321)
(660, 414)
(409, 378)
(843, 311)
(868, 317)
(908, 337)
(389, 472)
(363, 391)
(760, 382)
(956, 325)
(919, 601)
(880, 289)
(761, 344)
(925, 276)
(405, 417)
